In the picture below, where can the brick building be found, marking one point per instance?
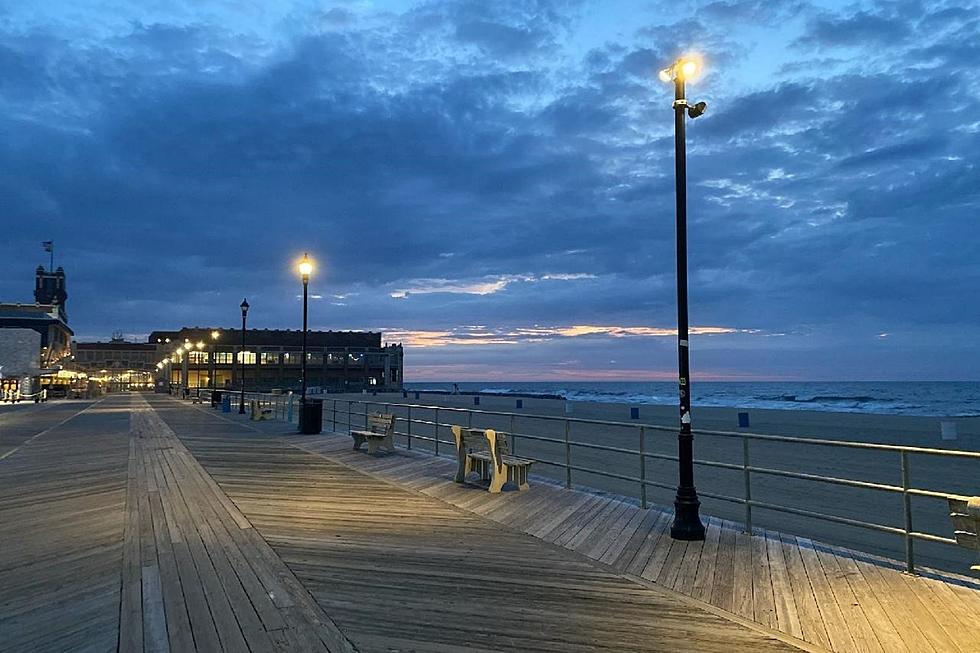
(337, 361)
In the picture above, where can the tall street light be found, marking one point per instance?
(305, 270)
(241, 364)
(687, 522)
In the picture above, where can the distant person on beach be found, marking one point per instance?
(455, 388)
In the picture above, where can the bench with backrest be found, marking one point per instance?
(486, 452)
(965, 513)
(380, 431)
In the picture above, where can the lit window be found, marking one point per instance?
(248, 357)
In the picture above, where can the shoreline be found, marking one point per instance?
(912, 430)
(846, 398)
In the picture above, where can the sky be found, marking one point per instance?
(491, 184)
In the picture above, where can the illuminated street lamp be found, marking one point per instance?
(687, 522)
(241, 364)
(169, 373)
(305, 270)
(212, 363)
(199, 346)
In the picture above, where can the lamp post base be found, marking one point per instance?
(687, 522)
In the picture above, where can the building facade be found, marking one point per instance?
(49, 320)
(117, 364)
(337, 361)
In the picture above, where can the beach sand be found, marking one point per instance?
(927, 472)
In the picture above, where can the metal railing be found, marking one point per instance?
(432, 417)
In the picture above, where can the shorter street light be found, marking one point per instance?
(241, 364)
(305, 270)
(212, 363)
(200, 347)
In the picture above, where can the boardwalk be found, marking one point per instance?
(160, 526)
(831, 597)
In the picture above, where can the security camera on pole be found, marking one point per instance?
(687, 522)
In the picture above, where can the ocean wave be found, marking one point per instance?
(941, 399)
(828, 399)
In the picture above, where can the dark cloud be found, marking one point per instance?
(863, 28)
(470, 147)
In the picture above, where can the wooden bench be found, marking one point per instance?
(259, 412)
(485, 451)
(965, 513)
(380, 430)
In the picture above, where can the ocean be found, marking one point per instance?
(925, 398)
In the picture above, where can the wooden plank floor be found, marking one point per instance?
(402, 570)
(112, 537)
(828, 596)
(62, 507)
(21, 422)
(196, 575)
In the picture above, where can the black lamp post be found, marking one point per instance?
(241, 364)
(212, 363)
(687, 522)
(305, 269)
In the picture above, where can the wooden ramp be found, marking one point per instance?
(828, 596)
(401, 570)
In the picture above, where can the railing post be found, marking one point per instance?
(907, 504)
(748, 485)
(643, 468)
(365, 415)
(409, 427)
(568, 458)
(437, 431)
(335, 415)
(513, 438)
(469, 419)
(350, 411)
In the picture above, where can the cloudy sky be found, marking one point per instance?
(491, 183)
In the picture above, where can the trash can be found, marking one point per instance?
(225, 403)
(311, 417)
(215, 398)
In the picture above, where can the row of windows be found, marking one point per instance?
(287, 358)
(89, 355)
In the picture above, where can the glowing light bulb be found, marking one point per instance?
(306, 267)
(665, 75)
(689, 68)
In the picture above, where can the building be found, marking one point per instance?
(48, 318)
(20, 359)
(117, 364)
(337, 361)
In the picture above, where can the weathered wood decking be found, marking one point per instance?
(831, 597)
(62, 507)
(400, 570)
(113, 537)
(149, 524)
